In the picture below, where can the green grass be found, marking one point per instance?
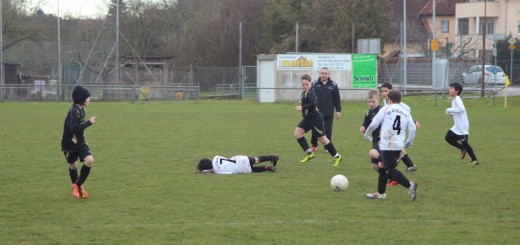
(144, 190)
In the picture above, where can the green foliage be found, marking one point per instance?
(144, 190)
(325, 26)
(371, 19)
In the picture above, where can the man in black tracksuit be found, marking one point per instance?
(327, 93)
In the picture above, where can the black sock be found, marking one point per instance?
(258, 169)
(330, 148)
(85, 170)
(303, 143)
(265, 158)
(73, 173)
(407, 161)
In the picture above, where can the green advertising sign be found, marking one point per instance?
(364, 71)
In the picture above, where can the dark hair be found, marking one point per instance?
(395, 96)
(457, 86)
(205, 164)
(306, 77)
(387, 85)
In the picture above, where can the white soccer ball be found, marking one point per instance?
(339, 183)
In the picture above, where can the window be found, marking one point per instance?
(464, 26)
(489, 27)
(445, 26)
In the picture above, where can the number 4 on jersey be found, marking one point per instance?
(397, 124)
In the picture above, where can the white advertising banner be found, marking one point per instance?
(297, 62)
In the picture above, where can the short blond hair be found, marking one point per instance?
(373, 93)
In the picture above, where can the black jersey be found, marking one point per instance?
(327, 96)
(74, 129)
(309, 104)
(369, 116)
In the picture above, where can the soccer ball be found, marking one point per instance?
(339, 183)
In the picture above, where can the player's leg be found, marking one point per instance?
(374, 158)
(256, 160)
(299, 135)
(86, 157)
(381, 185)
(453, 139)
(331, 150)
(71, 158)
(272, 158)
(314, 141)
(328, 122)
(469, 150)
(390, 158)
(410, 165)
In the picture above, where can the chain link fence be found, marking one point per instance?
(140, 82)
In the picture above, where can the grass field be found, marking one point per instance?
(143, 188)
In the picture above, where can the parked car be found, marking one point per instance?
(494, 75)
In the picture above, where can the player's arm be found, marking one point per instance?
(337, 101)
(310, 100)
(459, 108)
(411, 132)
(376, 121)
(75, 124)
(366, 122)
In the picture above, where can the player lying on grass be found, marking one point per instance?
(237, 164)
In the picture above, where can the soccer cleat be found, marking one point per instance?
(411, 169)
(313, 148)
(275, 160)
(308, 157)
(376, 195)
(474, 162)
(75, 191)
(337, 160)
(272, 168)
(462, 153)
(392, 183)
(83, 193)
(413, 190)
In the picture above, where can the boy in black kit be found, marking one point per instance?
(373, 103)
(312, 120)
(73, 143)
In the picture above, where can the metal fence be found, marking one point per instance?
(192, 83)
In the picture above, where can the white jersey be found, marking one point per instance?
(406, 107)
(460, 117)
(394, 121)
(403, 105)
(234, 165)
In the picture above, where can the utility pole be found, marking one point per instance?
(404, 48)
(483, 50)
(297, 36)
(1, 54)
(434, 26)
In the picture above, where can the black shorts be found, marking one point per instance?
(72, 156)
(459, 137)
(390, 158)
(315, 124)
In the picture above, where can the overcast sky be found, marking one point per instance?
(74, 8)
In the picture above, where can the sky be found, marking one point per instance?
(74, 8)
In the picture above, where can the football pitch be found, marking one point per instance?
(143, 188)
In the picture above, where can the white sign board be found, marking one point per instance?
(295, 62)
